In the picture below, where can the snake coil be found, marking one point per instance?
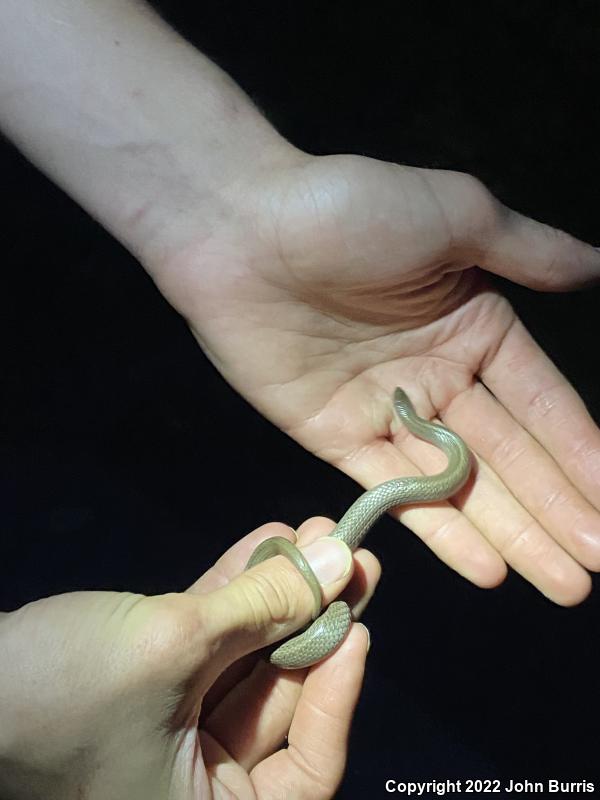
(328, 630)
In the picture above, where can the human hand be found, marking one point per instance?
(331, 280)
(102, 691)
(317, 285)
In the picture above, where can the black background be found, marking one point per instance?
(119, 439)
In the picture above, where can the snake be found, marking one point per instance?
(327, 631)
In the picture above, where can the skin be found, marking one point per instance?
(148, 698)
(357, 276)
(318, 284)
(324, 635)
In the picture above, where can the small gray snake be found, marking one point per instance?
(328, 630)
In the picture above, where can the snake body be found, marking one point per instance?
(328, 630)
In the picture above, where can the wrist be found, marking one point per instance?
(128, 117)
(210, 206)
(207, 254)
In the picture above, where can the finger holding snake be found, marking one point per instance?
(329, 630)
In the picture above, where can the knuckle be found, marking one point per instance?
(320, 784)
(473, 185)
(506, 452)
(555, 497)
(525, 541)
(545, 402)
(478, 216)
(477, 195)
(273, 593)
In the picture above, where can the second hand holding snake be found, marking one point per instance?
(328, 630)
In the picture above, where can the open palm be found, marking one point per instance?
(344, 277)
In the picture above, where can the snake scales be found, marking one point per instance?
(328, 630)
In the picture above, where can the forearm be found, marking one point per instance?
(126, 116)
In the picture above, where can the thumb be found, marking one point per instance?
(507, 243)
(271, 600)
(539, 256)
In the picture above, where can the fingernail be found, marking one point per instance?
(329, 558)
(293, 532)
(368, 635)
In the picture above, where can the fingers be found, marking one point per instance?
(540, 460)
(367, 572)
(357, 593)
(491, 509)
(523, 542)
(442, 526)
(253, 719)
(519, 508)
(542, 525)
(264, 698)
(229, 565)
(539, 397)
(268, 602)
(367, 569)
(312, 765)
(509, 501)
(507, 243)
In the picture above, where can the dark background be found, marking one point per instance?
(118, 437)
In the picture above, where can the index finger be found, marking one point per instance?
(313, 763)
